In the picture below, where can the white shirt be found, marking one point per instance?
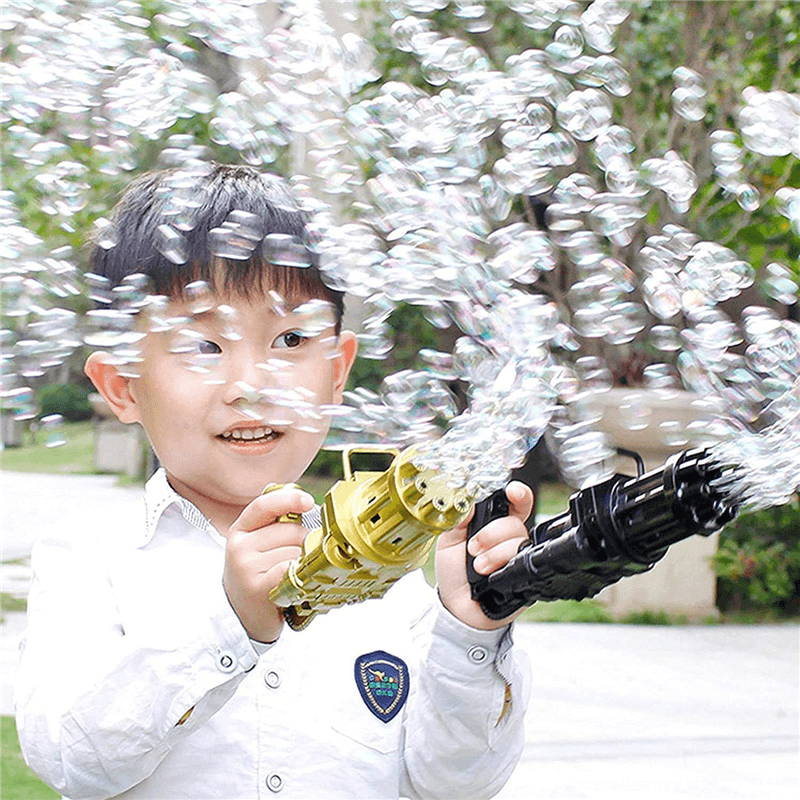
(138, 680)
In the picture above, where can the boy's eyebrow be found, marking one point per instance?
(205, 316)
(219, 313)
(208, 318)
(212, 315)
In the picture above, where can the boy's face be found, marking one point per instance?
(232, 404)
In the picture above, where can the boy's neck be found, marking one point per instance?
(220, 515)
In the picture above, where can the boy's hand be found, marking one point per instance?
(493, 547)
(257, 554)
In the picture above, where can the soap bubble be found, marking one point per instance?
(171, 244)
(661, 377)
(769, 122)
(608, 72)
(566, 46)
(584, 458)
(717, 272)
(636, 411)
(285, 250)
(109, 328)
(674, 176)
(53, 429)
(624, 322)
(20, 401)
(747, 196)
(665, 337)
(593, 373)
(663, 293)
(788, 200)
(688, 98)
(107, 235)
(673, 434)
(780, 284)
(237, 237)
(523, 253)
(585, 114)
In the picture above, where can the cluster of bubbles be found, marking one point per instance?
(430, 223)
(442, 223)
(762, 460)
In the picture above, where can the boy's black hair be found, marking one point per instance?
(150, 202)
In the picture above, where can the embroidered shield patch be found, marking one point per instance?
(382, 680)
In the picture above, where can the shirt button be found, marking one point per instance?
(274, 782)
(478, 654)
(226, 662)
(272, 679)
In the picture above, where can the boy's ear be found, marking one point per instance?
(114, 388)
(347, 347)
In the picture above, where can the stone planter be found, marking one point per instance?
(656, 425)
(12, 430)
(117, 447)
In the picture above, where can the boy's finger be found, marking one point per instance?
(520, 496)
(261, 562)
(497, 532)
(274, 574)
(520, 499)
(269, 508)
(272, 537)
(497, 556)
(280, 557)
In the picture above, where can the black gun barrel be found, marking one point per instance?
(619, 527)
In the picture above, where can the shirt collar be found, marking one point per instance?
(158, 497)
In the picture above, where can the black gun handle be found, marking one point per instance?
(493, 507)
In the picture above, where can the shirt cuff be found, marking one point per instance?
(458, 647)
(262, 647)
(230, 645)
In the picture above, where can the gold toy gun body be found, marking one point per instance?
(376, 527)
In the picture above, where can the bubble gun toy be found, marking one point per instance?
(377, 526)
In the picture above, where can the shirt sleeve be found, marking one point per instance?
(464, 722)
(99, 707)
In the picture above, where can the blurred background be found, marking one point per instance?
(95, 93)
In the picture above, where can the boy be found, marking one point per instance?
(155, 664)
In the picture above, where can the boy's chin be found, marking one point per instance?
(232, 497)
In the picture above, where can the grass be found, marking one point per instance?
(552, 498)
(11, 604)
(649, 617)
(74, 457)
(316, 485)
(17, 781)
(567, 611)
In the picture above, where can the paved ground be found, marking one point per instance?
(622, 712)
(658, 713)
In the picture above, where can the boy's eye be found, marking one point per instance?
(207, 348)
(290, 339)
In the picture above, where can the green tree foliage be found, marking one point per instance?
(67, 399)
(758, 561)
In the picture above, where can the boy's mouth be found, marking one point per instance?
(246, 435)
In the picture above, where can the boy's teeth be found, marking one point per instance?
(248, 434)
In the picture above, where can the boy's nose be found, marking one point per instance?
(248, 377)
(243, 379)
